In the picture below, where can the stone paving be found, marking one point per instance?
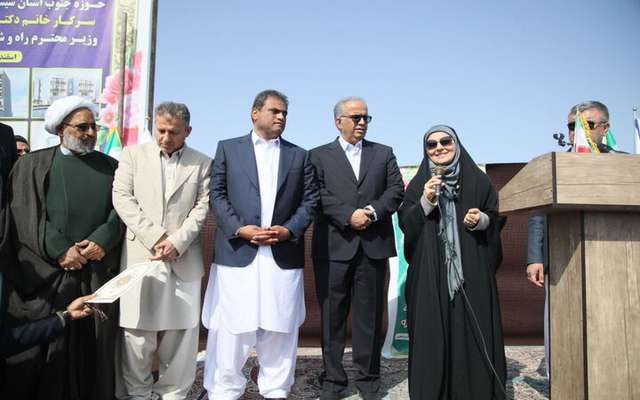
(526, 376)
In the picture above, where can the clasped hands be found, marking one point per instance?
(361, 219)
(164, 250)
(79, 254)
(264, 236)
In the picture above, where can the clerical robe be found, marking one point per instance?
(57, 200)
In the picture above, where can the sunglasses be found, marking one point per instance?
(572, 125)
(84, 127)
(357, 118)
(444, 142)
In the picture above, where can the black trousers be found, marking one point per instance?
(357, 284)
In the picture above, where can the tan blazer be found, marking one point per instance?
(138, 197)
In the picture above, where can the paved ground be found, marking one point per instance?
(526, 380)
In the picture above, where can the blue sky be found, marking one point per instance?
(504, 74)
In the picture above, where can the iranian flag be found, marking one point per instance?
(581, 140)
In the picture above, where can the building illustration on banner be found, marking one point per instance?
(5, 95)
(14, 93)
(51, 84)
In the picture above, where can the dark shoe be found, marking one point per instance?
(325, 395)
(370, 395)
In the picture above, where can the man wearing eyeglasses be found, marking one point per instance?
(597, 116)
(360, 188)
(65, 236)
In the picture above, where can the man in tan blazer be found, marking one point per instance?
(161, 192)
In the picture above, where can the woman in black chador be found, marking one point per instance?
(452, 242)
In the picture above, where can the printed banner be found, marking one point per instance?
(396, 343)
(52, 49)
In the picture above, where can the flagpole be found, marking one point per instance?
(123, 56)
(636, 128)
(152, 62)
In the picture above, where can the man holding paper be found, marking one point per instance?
(161, 192)
(64, 243)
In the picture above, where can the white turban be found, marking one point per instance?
(59, 109)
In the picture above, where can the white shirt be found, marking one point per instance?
(353, 153)
(169, 165)
(261, 295)
(267, 159)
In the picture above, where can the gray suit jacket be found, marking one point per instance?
(538, 241)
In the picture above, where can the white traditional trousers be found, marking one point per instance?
(176, 349)
(228, 352)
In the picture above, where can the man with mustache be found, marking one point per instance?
(263, 195)
(65, 241)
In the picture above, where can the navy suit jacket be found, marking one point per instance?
(341, 193)
(537, 241)
(16, 340)
(235, 201)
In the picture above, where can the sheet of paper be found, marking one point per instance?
(119, 284)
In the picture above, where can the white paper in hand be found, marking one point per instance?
(119, 284)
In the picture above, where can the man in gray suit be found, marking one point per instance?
(597, 116)
(264, 196)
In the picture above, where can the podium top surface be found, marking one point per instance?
(574, 181)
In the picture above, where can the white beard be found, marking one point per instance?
(76, 145)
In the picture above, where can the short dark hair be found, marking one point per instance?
(175, 110)
(262, 97)
(22, 139)
(588, 105)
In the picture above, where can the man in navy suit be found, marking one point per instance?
(360, 188)
(263, 195)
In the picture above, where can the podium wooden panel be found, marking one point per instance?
(593, 207)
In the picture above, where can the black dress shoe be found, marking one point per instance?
(370, 395)
(326, 395)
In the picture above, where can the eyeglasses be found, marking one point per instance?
(84, 127)
(444, 142)
(357, 118)
(572, 125)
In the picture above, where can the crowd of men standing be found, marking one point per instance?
(72, 218)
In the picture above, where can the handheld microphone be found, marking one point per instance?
(438, 170)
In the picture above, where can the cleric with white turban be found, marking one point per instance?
(80, 138)
(66, 237)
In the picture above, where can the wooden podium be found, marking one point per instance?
(593, 206)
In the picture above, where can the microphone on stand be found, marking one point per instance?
(560, 138)
(438, 170)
